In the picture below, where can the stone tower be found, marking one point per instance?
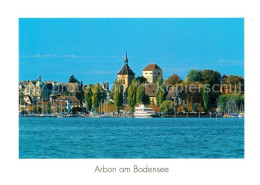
(152, 73)
(125, 75)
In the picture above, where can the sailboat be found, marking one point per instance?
(60, 115)
(241, 114)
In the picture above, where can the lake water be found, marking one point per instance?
(131, 138)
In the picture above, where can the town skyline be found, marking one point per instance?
(93, 50)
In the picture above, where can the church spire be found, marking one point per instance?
(126, 60)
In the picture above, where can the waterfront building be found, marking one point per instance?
(60, 106)
(125, 75)
(172, 93)
(66, 102)
(22, 85)
(45, 106)
(38, 90)
(152, 73)
(151, 90)
(24, 101)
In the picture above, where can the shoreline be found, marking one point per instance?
(213, 117)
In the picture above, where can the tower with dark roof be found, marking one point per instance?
(125, 75)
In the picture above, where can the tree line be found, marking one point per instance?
(210, 91)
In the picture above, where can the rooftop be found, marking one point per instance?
(126, 70)
(150, 89)
(151, 67)
(71, 98)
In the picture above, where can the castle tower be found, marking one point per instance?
(152, 73)
(125, 75)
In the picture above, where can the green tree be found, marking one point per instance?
(125, 94)
(141, 79)
(167, 107)
(206, 97)
(146, 100)
(160, 95)
(235, 83)
(103, 94)
(118, 95)
(132, 95)
(113, 89)
(222, 103)
(96, 97)
(73, 79)
(37, 109)
(76, 110)
(213, 79)
(159, 81)
(49, 111)
(174, 79)
(141, 97)
(80, 93)
(194, 76)
(88, 97)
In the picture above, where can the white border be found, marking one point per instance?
(183, 171)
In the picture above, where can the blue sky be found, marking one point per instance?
(93, 50)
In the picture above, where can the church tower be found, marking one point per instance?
(125, 75)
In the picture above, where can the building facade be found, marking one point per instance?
(65, 103)
(152, 73)
(125, 75)
(38, 90)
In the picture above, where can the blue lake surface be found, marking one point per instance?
(131, 138)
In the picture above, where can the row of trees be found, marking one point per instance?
(206, 96)
(209, 88)
(94, 95)
(135, 95)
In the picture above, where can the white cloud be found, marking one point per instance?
(99, 72)
(38, 56)
(232, 62)
(70, 56)
(49, 56)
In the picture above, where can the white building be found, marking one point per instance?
(152, 73)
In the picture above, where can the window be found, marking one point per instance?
(158, 73)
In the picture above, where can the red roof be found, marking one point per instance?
(151, 67)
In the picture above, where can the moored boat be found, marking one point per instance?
(60, 116)
(241, 115)
(106, 115)
(143, 112)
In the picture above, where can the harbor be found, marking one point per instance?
(140, 112)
